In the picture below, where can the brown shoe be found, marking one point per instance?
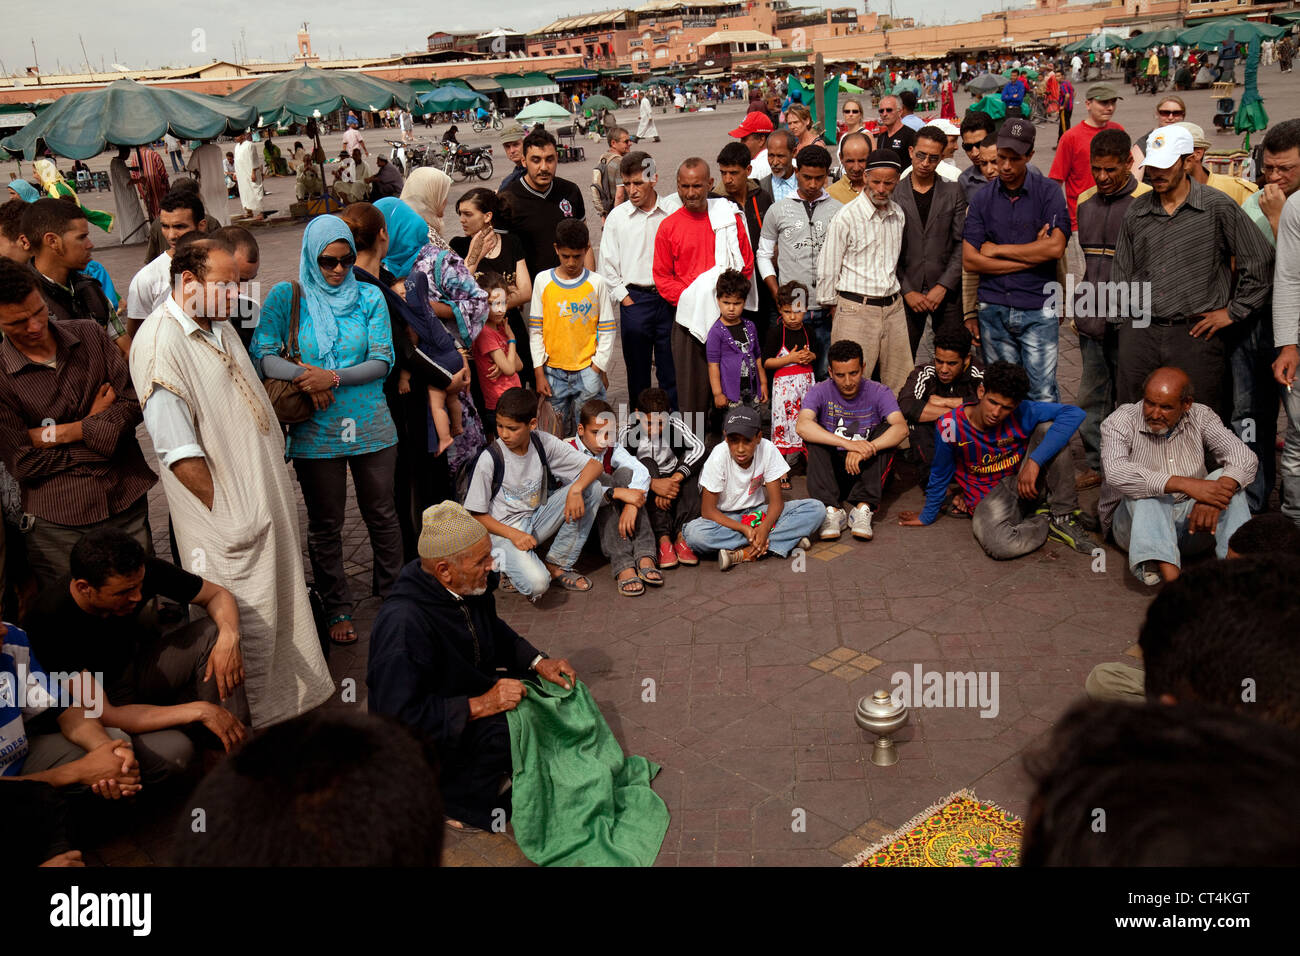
(1086, 479)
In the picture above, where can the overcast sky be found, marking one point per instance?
(141, 34)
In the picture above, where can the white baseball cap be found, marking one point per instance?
(1167, 145)
(946, 125)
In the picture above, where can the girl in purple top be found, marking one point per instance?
(736, 373)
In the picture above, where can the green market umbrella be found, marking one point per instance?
(1094, 44)
(992, 105)
(447, 99)
(1251, 117)
(597, 102)
(808, 96)
(127, 113)
(541, 111)
(1215, 32)
(1024, 71)
(1145, 41)
(907, 84)
(309, 93)
(847, 87)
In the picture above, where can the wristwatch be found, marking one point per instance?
(539, 657)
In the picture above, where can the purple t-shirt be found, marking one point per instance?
(737, 361)
(850, 417)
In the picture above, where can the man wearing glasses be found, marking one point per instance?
(1281, 212)
(895, 135)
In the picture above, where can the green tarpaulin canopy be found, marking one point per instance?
(539, 111)
(127, 113)
(1145, 41)
(447, 99)
(808, 96)
(1214, 32)
(1094, 44)
(307, 92)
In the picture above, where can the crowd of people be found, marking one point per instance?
(903, 319)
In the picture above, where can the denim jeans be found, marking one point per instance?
(1096, 389)
(570, 390)
(799, 519)
(525, 569)
(818, 324)
(1289, 469)
(1155, 529)
(1254, 403)
(1025, 337)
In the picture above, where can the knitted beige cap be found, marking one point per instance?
(448, 529)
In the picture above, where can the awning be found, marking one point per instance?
(569, 76)
(422, 86)
(717, 72)
(482, 84)
(621, 71)
(527, 86)
(1289, 16)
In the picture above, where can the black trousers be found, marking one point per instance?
(470, 772)
(694, 393)
(1143, 350)
(949, 311)
(830, 483)
(668, 522)
(646, 328)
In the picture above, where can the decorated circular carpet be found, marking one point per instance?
(960, 830)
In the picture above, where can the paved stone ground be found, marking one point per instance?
(756, 674)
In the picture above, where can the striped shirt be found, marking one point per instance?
(84, 482)
(1187, 257)
(861, 250)
(1138, 463)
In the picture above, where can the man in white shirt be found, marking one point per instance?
(174, 151)
(753, 132)
(742, 514)
(627, 252)
(178, 214)
(248, 172)
(352, 140)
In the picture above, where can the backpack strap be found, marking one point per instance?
(498, 466)
(546, 464)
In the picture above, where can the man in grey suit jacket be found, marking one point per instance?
(780, 156)
(929, 268)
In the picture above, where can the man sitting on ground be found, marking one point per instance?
(444, 664)
(998, 448)
(1157, 495)
(934, 390)
(850, 425)
(99, 622)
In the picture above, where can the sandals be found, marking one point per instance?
(785, 483)
(351, 632)
(957, 507)
(650, 575)
(569, 580)
(630, 587)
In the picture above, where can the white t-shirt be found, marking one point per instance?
(741, 489)
(150, 288)
(523, 484)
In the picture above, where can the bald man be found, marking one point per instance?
(1157, 498)
(854, 150)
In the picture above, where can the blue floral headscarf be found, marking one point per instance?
(407, 235)
(326, 303)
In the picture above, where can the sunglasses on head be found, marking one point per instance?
(330, 263)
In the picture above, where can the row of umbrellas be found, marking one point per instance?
(1203, 36)
(127, 113)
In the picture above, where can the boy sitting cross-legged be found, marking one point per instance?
(511, 494)
(625, 535)
(742, 515)
(672, 454)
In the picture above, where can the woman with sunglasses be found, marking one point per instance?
(1170, 110)
(345, 349)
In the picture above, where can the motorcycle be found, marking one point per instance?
(466, 161)
(492, 122)
(409, 156)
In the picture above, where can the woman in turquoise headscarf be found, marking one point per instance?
(346, 350)
(24, 190)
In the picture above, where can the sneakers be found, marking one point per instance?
(860, 523)
(834, 525)
(1148, 573)
(804, 543)
(729, 559)
(667, 556)
(685, 555)
(1070, 531)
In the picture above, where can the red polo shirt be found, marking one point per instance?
(1073, 163)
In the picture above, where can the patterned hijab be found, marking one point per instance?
(325, 303)
(407, 235)
(426, 192)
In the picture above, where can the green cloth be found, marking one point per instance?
(807, 96)
(577, 800)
